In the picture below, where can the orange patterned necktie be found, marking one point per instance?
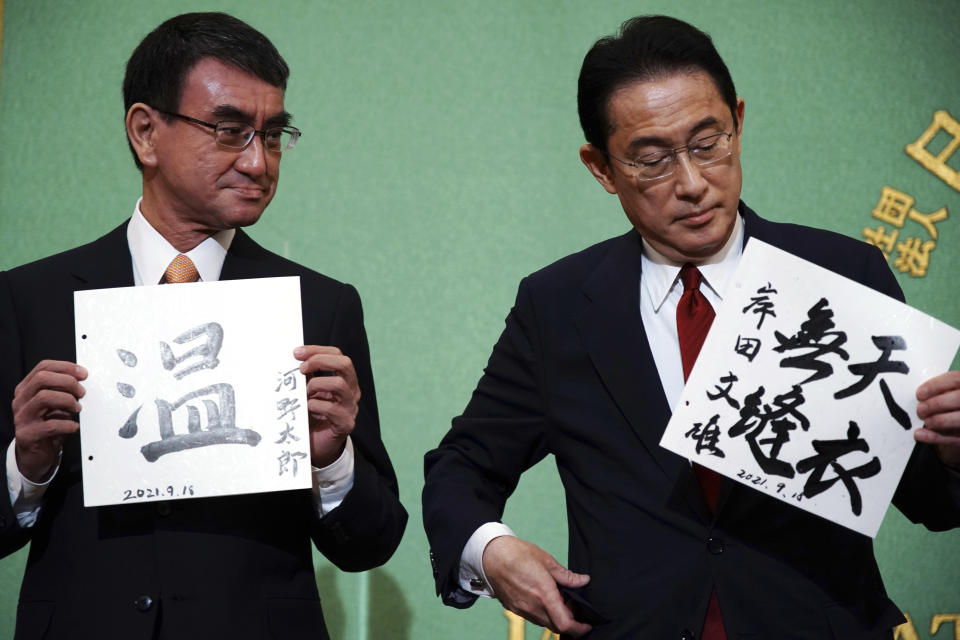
(181, 269)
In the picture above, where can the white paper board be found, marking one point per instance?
(193, 390)
(804, 418)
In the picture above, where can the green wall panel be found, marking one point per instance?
(439, 165)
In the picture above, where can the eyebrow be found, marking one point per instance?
(230, 112)
(656, 141)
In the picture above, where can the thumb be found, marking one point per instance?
(568, 578)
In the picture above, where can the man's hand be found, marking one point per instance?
(524, 578)
(939, 408)
(44, 404)
(332, 400)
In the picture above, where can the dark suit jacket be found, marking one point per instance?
(572, 375)
(231, 567)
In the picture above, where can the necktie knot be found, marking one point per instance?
(690, 277)
(181, 269)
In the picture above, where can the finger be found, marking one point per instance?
(939, 438)
(338, 364)
(568, 578)
(47, 430)
(58, 366)
(340, 418)
(45, 404)
(39, 379)
(949, 381)
(332, 387)
(560, 616)
(306, 351)
(947, 401)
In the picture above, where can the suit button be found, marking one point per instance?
(3, 522)
(143, 603)
(687, 635)
(715, 546)
(164, 509)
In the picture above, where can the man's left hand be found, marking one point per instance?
(333, 394)
(939, 408)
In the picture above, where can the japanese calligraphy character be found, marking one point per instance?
(879, 238)
(828, 454)
(286, 406)
(868, 371)
(286, 434)
(288, 379)
(914, 256)
(938, 165)
(928, 219)
(207, 351)
(706, 436)
(220, 427)
(288, 459)
(755, 416)
(761, 304)
(747, 347)
(724, 392)
(893, 207)
(813, 336)
(896, 206)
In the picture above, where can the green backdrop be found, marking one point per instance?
(439, 165)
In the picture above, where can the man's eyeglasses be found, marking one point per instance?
(660, 164)
(237, 135)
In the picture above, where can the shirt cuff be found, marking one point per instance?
(26, 497)
(332, 482)
(472, 577)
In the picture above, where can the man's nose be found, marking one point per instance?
(690, 183)
(252, 159)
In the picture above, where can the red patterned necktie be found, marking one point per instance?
(694, 316)
(181, 269)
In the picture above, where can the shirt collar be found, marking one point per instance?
(151, 253)
(661, 275)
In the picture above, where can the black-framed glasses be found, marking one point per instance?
(660, 164)
(237, 135)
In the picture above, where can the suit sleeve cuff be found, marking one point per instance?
(472, 578)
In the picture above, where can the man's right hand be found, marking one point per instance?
(524, 578)
(44, 405)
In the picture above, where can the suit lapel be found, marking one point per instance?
(245, 259)
(105, 262)
(613, 334)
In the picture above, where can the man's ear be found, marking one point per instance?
(596, 163)
(141, 132)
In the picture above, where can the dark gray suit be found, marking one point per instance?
(572, 375)
(234, 567)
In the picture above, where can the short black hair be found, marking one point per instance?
(647, 48)
(159, 65)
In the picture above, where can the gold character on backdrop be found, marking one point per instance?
(516, 629)
(937, 164)
(894, 208)
(948, 618)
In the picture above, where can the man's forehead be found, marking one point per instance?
(652, 110)
(217, 86)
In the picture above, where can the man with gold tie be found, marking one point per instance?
(205, 120)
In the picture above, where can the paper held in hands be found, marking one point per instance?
(805, 388)
(193, 390)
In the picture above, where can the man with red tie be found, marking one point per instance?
(205, 120)
(595, 353)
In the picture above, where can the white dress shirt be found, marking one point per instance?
(660, 291)
(151, 254)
